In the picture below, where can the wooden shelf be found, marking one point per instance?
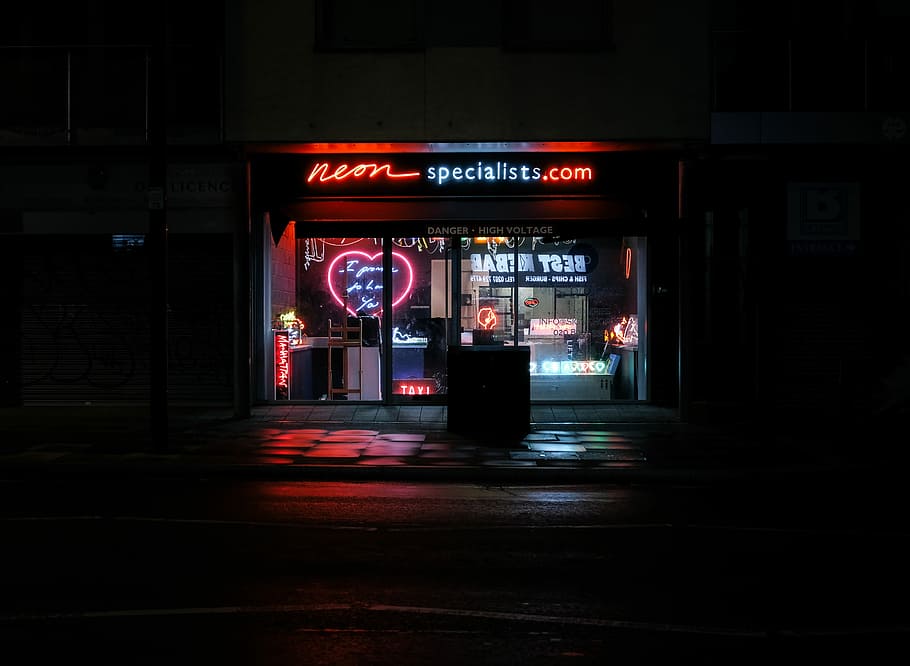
(344, 336)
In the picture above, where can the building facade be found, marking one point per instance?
(676, 203)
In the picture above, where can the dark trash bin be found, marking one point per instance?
(489, 393)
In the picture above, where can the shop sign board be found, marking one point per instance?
(289, 177)
(539, 268)
(457, 194)
(443, 174)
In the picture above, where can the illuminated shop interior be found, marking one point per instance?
(377, 315)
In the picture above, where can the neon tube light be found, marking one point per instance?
(486, 318)
(363, 283)
(343, 172)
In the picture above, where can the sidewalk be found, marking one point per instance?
(602, 443)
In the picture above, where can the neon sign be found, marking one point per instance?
(570, 368)
(423, 386)
(519, 172)
(282, 365)
(486, 318)
(486, 172)
(402, 339)
(370, 170)
(361, 287)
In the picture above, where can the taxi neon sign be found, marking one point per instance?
(421, 386)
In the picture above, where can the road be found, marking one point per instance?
(226, 571)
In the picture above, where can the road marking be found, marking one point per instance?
(627, 625)
(654, 627)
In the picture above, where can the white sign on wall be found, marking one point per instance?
(823, 218)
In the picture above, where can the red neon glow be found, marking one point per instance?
(615, 336)
(628, 266)
(342, 172)
(373, 147)
(425, 386)
(486, 317)
(579, 173)
(282, 365)
(363, 281)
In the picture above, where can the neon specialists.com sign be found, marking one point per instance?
(448, 174)
(409, 173)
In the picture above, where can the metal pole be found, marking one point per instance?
(158, 235)
(242, 306)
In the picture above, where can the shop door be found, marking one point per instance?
(422, 306)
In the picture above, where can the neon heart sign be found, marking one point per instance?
(356, 276)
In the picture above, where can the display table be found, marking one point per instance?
(302, 373)
(581, 387)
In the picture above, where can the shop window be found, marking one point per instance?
(576, 303)
(580, 305)
(420, 317)
(340, 278)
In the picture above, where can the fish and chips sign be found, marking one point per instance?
(534, 268)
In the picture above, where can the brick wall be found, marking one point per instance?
(284, 272)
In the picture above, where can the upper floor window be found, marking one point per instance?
(535, 25)
(402, 25)
(810, 55)
(352, 25)
(80, 73)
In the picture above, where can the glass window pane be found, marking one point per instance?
(109, 95)
(487, 283)
(339, 284)
(335, 275)
(421, 312)
(34, 100)
(579, 303)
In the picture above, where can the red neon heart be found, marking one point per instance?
(362, 271)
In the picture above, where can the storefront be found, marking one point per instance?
(377, 259)
(74, 250)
